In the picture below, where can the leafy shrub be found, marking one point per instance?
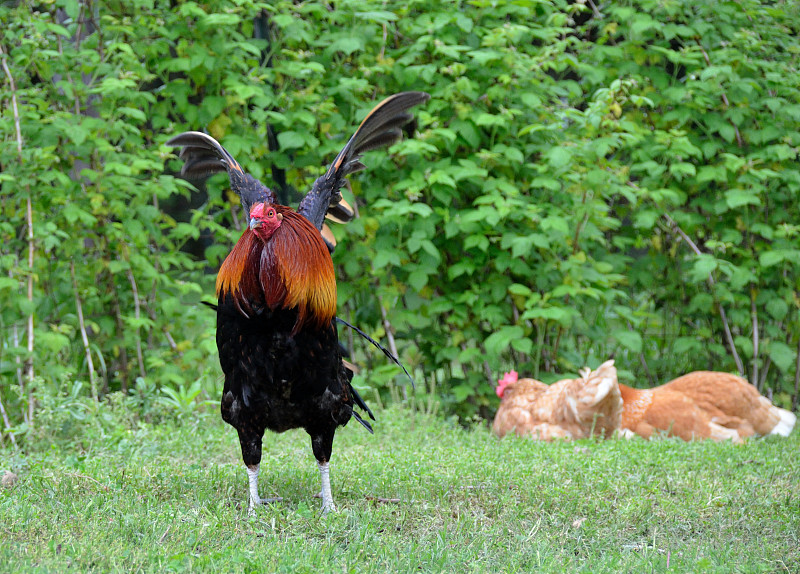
(540, 218)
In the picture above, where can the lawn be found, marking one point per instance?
(422, 494)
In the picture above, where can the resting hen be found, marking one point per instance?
(570, 408)
(277, 341)
(703, 404)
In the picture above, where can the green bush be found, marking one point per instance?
(587, 181)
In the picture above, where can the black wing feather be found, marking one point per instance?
(204, 156)
(380, 128)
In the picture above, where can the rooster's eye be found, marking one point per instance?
(270, 213)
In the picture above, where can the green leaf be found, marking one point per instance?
(777, 308)
(500, 340)
(782, 355)
(346, 45)
(702, 267)
(685, 345)
(559, 157)
(384, 258)
(290, 140)
(770, 258)
(522, 345)
(682, 170)
(417, 280)
(629, 339)
(738, 197)
(558, 314)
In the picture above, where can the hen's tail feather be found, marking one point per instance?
(328, 237)
(786, 422)
(386, 352)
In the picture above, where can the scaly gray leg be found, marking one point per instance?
(327, 497)
(255, 499)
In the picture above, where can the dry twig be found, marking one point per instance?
(382, 500)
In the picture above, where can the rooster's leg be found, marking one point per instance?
(250, 440)
(327, 497)
(322, 445)
(252, 479)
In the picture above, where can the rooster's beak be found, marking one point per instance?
(255, 223)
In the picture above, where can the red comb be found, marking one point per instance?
(508, 379)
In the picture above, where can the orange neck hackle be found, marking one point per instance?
(290, 269)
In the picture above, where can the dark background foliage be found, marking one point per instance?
(587, 181)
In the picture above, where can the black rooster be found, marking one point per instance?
(277, 341)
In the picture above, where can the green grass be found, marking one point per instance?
(166, 497)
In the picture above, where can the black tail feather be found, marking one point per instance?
(363, 422)
(207, 304)
(360, 402)
(386, 352)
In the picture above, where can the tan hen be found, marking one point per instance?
(704, 404)
(570, 408)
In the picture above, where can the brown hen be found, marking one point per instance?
(704, 404)
(570, 408)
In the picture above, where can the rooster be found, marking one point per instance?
(571, 408)
(703, 404)
(276, 292)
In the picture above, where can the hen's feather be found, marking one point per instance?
(732, 402)
(570, 408)
(648, 412)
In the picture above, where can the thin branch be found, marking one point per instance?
(20, 378)
(123, 352)
(710, 279)
(724, 97)
(15, 340)
(172, 344)
(7, 423)
(487, 370)
(575, 243)
(754, 317)
(383, 500)
(234, 215)
(517, 356)
(595, 12)
(29, 216)
(29, 221)
(387, 326)
(137, 315)
(382, 53)
(796, 396)
(84, 336)
(150, 305)
(350, 346)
